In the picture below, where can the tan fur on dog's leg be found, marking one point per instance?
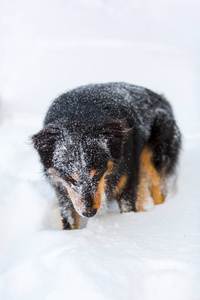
(149, 181)
(156, 195)
(76, 220)
(142, 193)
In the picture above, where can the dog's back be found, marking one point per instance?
(112, 100)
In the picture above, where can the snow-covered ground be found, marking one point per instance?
(49, 47)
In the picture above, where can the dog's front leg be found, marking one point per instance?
(70, 218)
(127, 200)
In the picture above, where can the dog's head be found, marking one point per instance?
(79, 156)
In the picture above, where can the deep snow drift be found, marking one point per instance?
(152, 255)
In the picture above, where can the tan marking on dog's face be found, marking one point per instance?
(75, 176)
(120, 185)
(69, 189)
(149, 181)
(110, 165)
(76, 200)
(101, 186)
(93, 172)
(52, 171)
(98, 194)
(58, 179)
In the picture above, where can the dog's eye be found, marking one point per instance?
(98, 174)
(70, 179)
(94, 172)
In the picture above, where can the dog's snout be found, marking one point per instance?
(89, 214)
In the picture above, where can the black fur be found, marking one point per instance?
(91, 125)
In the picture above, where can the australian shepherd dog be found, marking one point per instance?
(108, 141)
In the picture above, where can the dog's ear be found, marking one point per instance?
(116, 134)
(44, 142)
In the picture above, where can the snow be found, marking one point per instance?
(48, 48)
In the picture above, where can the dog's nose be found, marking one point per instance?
(89, 214)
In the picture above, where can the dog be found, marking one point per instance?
(108, 141)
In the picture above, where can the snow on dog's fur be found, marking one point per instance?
(114, 139)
